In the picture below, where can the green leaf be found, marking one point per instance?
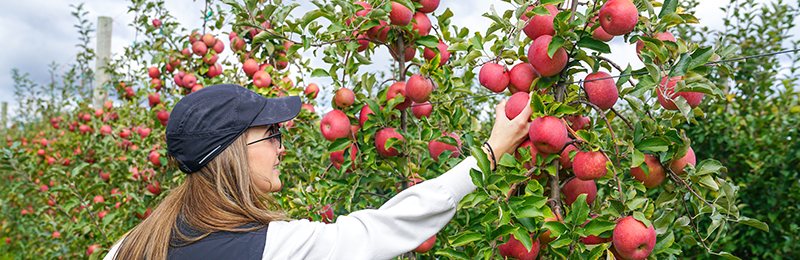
(727, 255)
(429, 41)
(503, 230)
(681, 67)
(524, 237)
(261, 37)
(669, 7)
(654, 144)
(466, 238)
(580, 209)
(452, 254)
(641, 218)
(597, 252)
(341, 143)
(754, 223)
(551, 2)
(320, 73)
(700, 57)
(655, 73)
(556, 43)
(537, 104)
(664, 243)
(638, 158)
(708, 166)
(597, 226)
(589, 42)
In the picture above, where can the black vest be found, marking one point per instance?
(246, 245)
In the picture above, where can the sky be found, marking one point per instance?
(40, 32)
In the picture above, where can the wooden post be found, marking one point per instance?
(3, 115)
(103, 51)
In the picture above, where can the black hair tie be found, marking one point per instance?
(494, 159)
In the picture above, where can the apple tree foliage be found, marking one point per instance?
(79, 163)
(753, 130)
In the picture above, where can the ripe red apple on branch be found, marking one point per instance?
(334, 125)
(544, 64)
(344, 97)
(513, 249)
(436, 148)
(632, 239)
(494, 77)
(381, 138)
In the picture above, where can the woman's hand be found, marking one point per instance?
(507, 134)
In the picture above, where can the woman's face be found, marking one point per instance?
(264, 157)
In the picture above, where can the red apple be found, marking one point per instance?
(262, 79)
(144, 132)
(655, 175)
(91, 249)
(599, 34)
(436, 148)
(154, 158)
(421, 109)
(154, 99)
(576, 187)
(189, 80)
(178, 79)
(421, 24)
(516, 103)
(56, 234)
(308, 107)
(428, 6)
(513, 249)
(154, 188)
(250, 67)
(408, 53)
(564, 160)
(218, 46)
(668, 89)
(156, 23)
(363, 115)
(44, 188)
(344, 97)
(400, 14)
(398, 89)
(98, 199)
(426, 246)
(237, 44)
(579, 122)
(548, 134)
(199, 48)
(677, 165)
(153, 72)
(105, 130)
(527, 144)
(312, 90)
(327, 214)
(337, 157)
(539, 25)
(382, 136)
(210, 59)
(542, 62)
(521, 76)
(632, 239)
(380, 32)
(281, 62)
(156, 84)
(442, 47)
(105, 176)
(601, 89)
(494, 77)
(618, 17)
(125, 133)
(334, 125)
(362, 44)
(590, 165)
(419, 88)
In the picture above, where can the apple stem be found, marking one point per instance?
(676, 178)
(623, 118)
(691, 220)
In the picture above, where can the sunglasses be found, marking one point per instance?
(276, 135)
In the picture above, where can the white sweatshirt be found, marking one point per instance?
(399, 226)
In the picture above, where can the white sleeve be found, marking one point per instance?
(400, 225)
(113, 251)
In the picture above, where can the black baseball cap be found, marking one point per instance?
(205, 122)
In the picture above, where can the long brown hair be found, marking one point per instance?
(219, 197)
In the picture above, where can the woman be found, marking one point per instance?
(225, 138)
